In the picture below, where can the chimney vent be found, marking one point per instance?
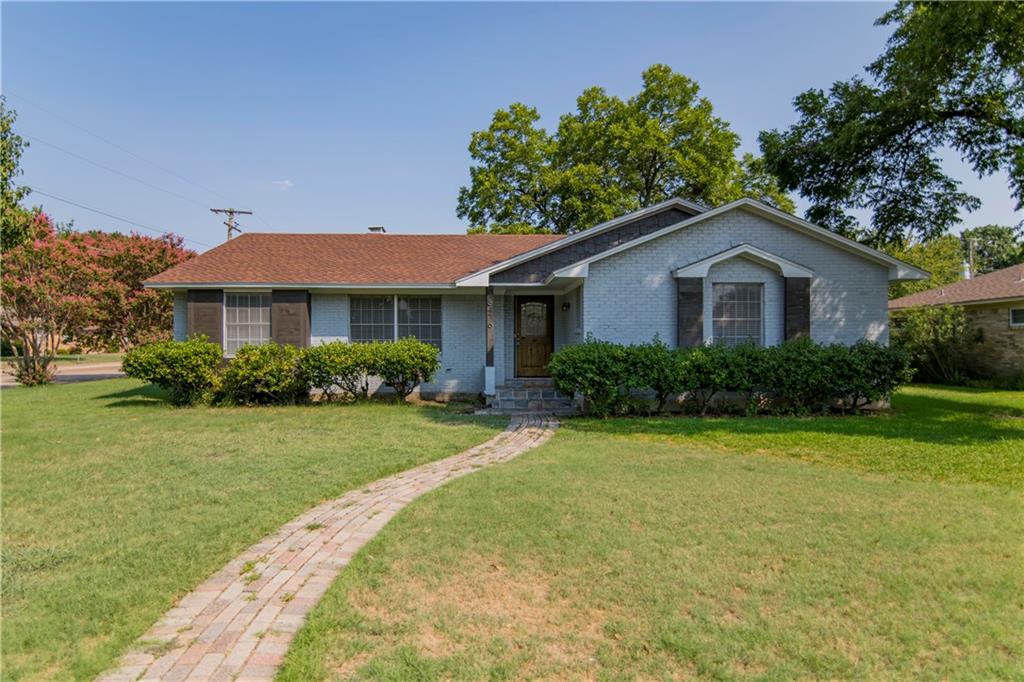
(377, 229)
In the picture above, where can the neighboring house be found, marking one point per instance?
(498, 305)
(994, 305)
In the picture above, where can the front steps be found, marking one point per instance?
(530, 395)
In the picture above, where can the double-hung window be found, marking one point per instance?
(387, 318)
(246, 320)
(737, 313)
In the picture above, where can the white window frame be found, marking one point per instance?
(761, 287)
(394, 316)
(224, 315)
(1015, 325)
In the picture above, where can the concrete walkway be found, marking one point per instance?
(238, 624)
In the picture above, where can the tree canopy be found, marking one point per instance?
(609, 157)
(952, 76)
(992, 247)
(16, 222)
(943, 257)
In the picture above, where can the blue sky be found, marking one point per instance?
(333, 117)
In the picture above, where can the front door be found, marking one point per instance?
(535, 335)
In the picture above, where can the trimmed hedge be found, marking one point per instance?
(187, 370)
(267, 374)
(337, 369)
(272, 374)
(798, 377)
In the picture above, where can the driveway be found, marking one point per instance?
(71, 372)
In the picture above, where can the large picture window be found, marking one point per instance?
(737, 313)
(386, 318)
(246, 320)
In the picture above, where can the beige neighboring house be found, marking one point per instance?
(994, 304)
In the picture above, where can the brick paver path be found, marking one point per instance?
(238, 624)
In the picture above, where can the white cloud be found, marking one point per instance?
(282, 185)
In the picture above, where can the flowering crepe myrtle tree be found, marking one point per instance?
(48, 290)
(126, 313)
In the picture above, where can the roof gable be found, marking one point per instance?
(599, 234)
(897, 269)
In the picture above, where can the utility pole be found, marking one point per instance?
(970, 258)
(230, 222)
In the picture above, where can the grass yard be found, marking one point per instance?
(115, 504)
(874, 547)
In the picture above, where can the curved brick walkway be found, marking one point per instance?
(238, 624)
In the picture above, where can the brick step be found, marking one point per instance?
(504, 393)
(529, 382)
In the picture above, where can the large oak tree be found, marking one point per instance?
(608, 157)
(952, 77)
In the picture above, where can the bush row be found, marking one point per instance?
(799, 377)
(194, 371)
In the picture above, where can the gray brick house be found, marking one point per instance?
(498, 305)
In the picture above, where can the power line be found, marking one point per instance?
(114, 144)
(113, 170)
(133, 223)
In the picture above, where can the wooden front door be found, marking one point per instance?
(535, 334)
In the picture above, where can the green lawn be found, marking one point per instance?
(872, 548)
(115, 504)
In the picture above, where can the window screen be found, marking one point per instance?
(737, 314)
(420, 317)
(372, 318)
(1017, 317)
(246, 320)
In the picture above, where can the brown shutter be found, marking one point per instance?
(206, 314)
(691, 311)
(289, 318)
(798, 308)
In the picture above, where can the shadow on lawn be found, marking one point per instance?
(147, 395)
(923, 418)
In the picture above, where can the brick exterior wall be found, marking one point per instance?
(180, 325)
(1001, 351)
(631, 296)
(463, 348)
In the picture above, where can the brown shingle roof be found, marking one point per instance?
(275, 258)
(1001, 284)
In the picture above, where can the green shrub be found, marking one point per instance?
(651, 366)
(594, 369)
(937, 340)
(187, 370)
(799, 377)
(336, 368)
(267, 374)
(702, 373)
(748, 373)
(404, 364)
(866, 372)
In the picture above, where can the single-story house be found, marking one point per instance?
(498, 306)
(994, 306)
